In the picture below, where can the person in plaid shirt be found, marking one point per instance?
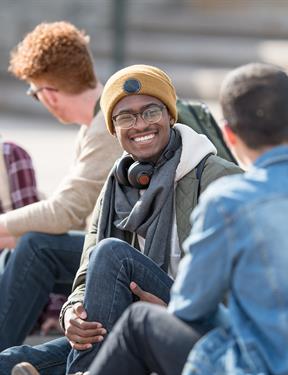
(17, 185)
(19, 188)
(18, 181)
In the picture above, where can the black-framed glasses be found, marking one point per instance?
(33, 91)
(149, 115)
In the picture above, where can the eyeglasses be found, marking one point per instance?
(34, 91)
(149, 115)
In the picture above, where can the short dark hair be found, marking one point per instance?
(254, 100)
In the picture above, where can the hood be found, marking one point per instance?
(195, 147)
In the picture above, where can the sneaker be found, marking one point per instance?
(24, 368)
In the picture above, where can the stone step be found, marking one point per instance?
(200, 50)
(196, 42)
(190, 82)
(170, 25)
(207, 51)
(250, 18)
(37, 339)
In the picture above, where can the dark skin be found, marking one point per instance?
(146, 143)
(82, 334)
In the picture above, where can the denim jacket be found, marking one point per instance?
(239, 245)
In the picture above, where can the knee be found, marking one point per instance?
(139, 311)
(144, 314)
(9, 358)
(109, 250)
(135, 317)
(31, 242)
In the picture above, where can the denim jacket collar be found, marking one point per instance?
(275, 155)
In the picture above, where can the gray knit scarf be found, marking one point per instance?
(149, 215)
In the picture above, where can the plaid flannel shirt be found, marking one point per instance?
(21, 176)
(23, 191)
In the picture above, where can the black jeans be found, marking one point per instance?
(147, 339)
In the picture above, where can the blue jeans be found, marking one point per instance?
(49, 358)
(113, 265)
(41, 263)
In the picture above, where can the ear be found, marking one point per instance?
(229, 136)
(51, 98)
(171, 122)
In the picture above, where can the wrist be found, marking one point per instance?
(7, 242)
(3, 227)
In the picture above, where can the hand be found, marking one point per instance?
(80, 333)
(8, 242)
(145, 296)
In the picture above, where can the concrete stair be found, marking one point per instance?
(196, 42)
(198, 45)
(37, 339)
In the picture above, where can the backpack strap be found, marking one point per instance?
(197, 119)
(199, 170)
(97, 108)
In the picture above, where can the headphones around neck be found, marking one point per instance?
(129, 172)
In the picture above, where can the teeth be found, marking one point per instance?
(145, 138)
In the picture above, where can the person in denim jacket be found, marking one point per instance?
(236, 249)
(240, 230)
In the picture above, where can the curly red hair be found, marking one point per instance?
(57, 52)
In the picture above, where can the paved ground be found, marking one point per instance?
(36, 339)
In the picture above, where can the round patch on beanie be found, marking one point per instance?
(132, 86)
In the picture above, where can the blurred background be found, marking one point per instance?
(196, 42)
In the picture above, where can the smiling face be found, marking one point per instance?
(145, 142)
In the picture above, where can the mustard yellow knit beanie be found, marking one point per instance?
(140, 80)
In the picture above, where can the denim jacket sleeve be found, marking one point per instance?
(198, 289)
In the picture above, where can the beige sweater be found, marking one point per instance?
(75, 198)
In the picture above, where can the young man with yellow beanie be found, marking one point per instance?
(236, 249)
(141, 218)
